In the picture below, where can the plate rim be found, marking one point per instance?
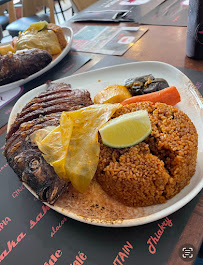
(139, 220)
(69, 38)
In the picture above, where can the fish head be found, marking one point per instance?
(39, 175)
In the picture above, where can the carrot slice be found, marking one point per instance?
(169, 95)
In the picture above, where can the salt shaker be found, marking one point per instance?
(194, 43)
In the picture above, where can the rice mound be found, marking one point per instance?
(156, 169)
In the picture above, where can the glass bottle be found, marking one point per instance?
(194, 43)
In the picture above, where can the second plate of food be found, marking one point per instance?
(68, 34)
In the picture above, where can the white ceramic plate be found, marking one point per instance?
(69, 37)
(191, 103)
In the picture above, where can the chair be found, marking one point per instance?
(10, 16)
(30, 9)
(79, 5)
(4, 20)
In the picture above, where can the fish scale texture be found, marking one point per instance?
(23, 155)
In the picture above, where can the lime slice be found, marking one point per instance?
(126, 130)
(38, 25)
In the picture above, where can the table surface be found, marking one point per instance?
(165, 44)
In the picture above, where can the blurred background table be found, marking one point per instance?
(159, 43)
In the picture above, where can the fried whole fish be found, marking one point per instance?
(23, 154)
(14, 67)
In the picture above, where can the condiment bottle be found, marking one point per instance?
(194, 44)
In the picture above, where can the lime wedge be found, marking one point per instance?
(126, 130)
(38, 25)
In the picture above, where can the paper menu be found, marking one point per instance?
(106, 40)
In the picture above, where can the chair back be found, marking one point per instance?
(3, 8)
(11, 10)
(30, 8)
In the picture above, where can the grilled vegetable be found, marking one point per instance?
(169, 95)
(145, 84)
(112, 94)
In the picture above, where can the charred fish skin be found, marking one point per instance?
(23, 156)
(14, 67)
(40, 106)
(30, 166)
